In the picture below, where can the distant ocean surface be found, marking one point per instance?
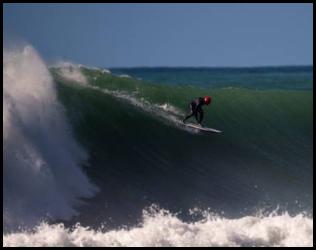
(98, 157)
(278, 77)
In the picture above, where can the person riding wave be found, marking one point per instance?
(196, 108)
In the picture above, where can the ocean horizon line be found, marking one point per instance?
(210, 67)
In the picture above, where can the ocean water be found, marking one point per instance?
(98, 157)
(282, 77)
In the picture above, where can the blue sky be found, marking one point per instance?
(113, 35)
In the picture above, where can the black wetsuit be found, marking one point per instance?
(196, 110)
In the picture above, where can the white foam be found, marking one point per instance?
(71, 72)
(125, 76)
(106, 71)
(162, 229)
(170, 108)
(42, 174)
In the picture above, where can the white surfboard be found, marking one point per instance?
(202, 128)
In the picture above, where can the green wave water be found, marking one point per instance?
(263, 158)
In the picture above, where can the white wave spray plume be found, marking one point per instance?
(71, 72)
(42, 173)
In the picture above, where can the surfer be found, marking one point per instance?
(196, 108)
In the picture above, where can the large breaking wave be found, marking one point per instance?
(139, 155)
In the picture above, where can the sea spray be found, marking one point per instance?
(71, 72)
(42, 161)
(160, 228)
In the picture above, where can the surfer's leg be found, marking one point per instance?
(196, 117)
(187, 117)
(191, 114)
(201, 115)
